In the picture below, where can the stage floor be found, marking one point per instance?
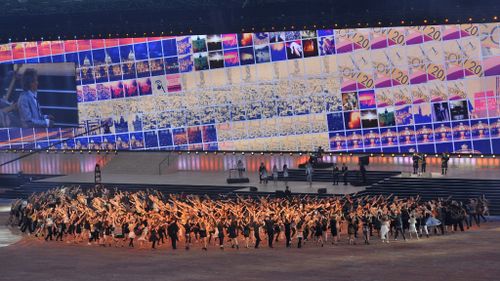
(218, 177)
(206, 178)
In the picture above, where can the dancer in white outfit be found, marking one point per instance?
(384, 230)
(413, 226)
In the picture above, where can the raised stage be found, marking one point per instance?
(211, 169)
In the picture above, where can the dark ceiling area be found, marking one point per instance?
(34, 19)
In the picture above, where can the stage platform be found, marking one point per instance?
(176, 170)
(206, 179)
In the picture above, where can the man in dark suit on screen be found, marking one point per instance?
(28, 106)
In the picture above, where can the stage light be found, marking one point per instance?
(90, 151)
(243, 153)
(482, 156)
(402, 22)
(436, 155)
(371, 154)
(470, 155)
(331, 154)
(234, 153)
(494, 156)
(31, 151)
(495, 18)
(196, 153)
(379, 23)
(271, 153)
(445, 20)
(350, 154)
(189, 152)
(425, 21)
(425, 155)
(262, 153)
(179, 153)
(470, 19)
(300, 153)
(382, 155)
(206, 152)
(459, 156)
(404, 154)
(48, 151)
(291, 154)
(251, 153)
(98, 152)
(81, 151)
(340, 153)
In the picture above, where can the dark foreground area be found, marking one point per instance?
(472, 255)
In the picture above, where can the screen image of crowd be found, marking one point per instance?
(429, 89)
(148, 219)
(39, 95)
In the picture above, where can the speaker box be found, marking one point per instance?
(253, 189)
(321, 190)
(364, 160)
(238, 180)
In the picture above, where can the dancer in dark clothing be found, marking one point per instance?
(269, 227)
(172, 231)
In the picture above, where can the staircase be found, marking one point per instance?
(432, 188)
(25, 190)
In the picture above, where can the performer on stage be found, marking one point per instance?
(415, 159)
(241, 168)
(424, 164)
(336, 174)
(285, 174)
(262, 173)
(444, 163)
(309, 173)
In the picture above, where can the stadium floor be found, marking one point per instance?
(472, 255)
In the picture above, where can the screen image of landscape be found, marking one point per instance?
(433, 88)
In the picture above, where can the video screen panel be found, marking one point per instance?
(40, 95)
(390, 89)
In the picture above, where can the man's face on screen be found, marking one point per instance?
(34, 84)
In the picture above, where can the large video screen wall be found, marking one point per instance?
(394, 89)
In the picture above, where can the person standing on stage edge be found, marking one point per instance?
(444, 163)
(309, 173)
(335, 174)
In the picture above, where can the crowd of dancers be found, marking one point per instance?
(148, 219)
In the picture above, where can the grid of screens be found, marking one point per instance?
(398, 89)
